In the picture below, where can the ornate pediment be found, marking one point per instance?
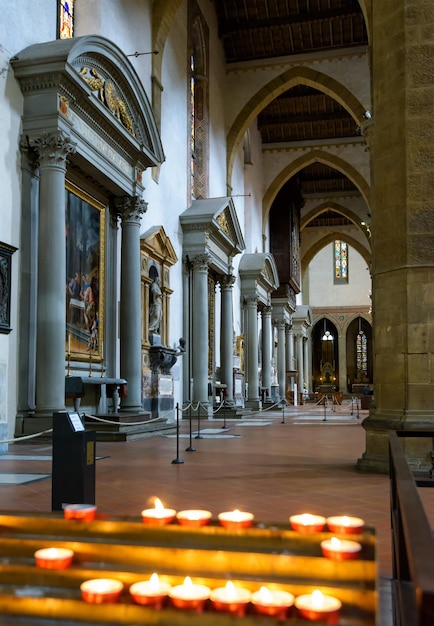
(211, 226)
(156, 244)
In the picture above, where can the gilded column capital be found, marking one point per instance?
(54, 148)
(130, 209)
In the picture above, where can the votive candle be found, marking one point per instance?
(307, 523)
(236, 519)
(340, 550)
(53, 558)
(230, 599)
(189, 595)
(150, 592)
(317, 607)
(159, 515)
(101, 590)
(273, 602)
(345, 524)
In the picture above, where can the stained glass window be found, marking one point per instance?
(192, 127)
(341, 262)
(362, 352)
(65, 19)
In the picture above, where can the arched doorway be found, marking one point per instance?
(325, 361)
(359, 355)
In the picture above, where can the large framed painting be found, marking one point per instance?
(85, 246)
(6, 252)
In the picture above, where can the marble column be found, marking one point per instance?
(300, 368)
(53, 150)
(29, 283)
(226, 337)
(130, 210)
(289, 348)
(342, 350)
(281, 353)
(306, 376)
(200, 329)
(266, 349)
(252, 351)
(186, 324)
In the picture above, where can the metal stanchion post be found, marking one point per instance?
(198, 436)
(352, 402)
(357, 407)
(177, 461)
(325, 409)
(190, 448)
(224, 414)
(283, 411)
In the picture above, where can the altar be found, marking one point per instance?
(109, 389)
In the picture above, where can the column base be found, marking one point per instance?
(255, 405)
(418, 450)
(134, 408)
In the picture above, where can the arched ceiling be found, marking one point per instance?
(263, 29)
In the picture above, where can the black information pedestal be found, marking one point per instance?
(73, 472)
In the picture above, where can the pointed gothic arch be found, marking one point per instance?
(320, 156)
(278, 85)
(330, 238)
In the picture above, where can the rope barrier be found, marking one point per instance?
(18, 439)
(105, 421)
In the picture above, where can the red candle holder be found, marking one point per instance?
(272, 602)
(189, 596)
(85, 512)
(343, 524)
(194, 518)
(53, 558)
(340, 550)
(317, 607)
(235, 519)
(150, 592)
(101, 590)
(307, 523)
(230, 599)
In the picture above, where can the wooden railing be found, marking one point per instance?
(412, 540)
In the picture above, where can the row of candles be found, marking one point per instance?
(195, 596)
(234, 599)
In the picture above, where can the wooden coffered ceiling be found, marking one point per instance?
(255, 30)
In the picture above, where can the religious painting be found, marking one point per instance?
(85, 228)
(6, 253)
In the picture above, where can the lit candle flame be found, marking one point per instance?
(307, 519)
(317, 599)
(159, 506)
(154, 582)
(336, 543)
(230, 590)
(188, 583)
(265, 595)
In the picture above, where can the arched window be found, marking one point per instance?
(198, 89)
(362, 352)
(340, 262)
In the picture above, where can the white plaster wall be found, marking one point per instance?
(319, 289)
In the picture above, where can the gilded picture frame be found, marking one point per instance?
(6, 252)
(85, 261)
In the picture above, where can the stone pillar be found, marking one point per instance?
(53, 150)
(130, 210)
(281, 353)
(200, 329)
(252, 352)
(402, 231)
(306, 361)
(267, 332)
(186, 324)
(226, 337)
(289, 348)
(29, 282)
(300, 366)
(342, 355)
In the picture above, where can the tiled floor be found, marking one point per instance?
(273, 465)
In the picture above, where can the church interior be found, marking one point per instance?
(221, 207)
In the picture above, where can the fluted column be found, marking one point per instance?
(281, 350)
(130, 210)
(200, 328)
(226, 337)
(266, 349)
(186, 324)
(252, 351)
(53, 150)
